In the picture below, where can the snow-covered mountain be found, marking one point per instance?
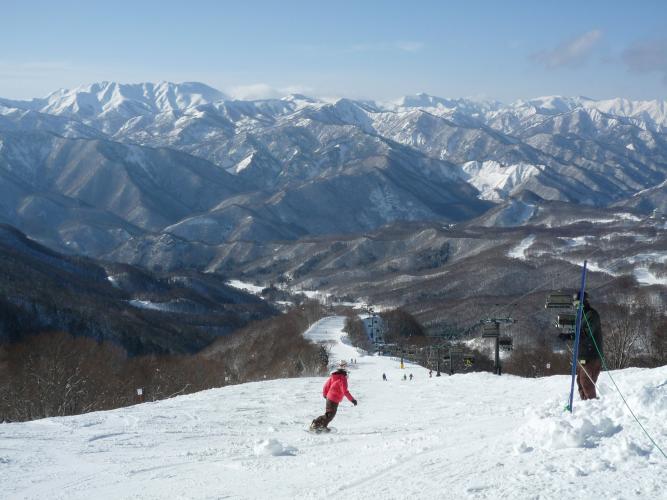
(299, 165)
(109, 105)
(470, 435)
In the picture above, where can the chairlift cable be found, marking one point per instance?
(521, 297)
(577, 335)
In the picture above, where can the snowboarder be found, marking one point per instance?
(589, 363)
(335, 388)
(384, 377)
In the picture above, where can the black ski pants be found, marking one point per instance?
(329, 413)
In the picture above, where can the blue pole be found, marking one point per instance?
(577, 334)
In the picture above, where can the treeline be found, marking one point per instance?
(356, 332)
(398, 327)
(634, 335)
(537, 361)
(146, 312)
(56, 374)
(405, 337)
(401, 326)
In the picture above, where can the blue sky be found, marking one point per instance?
(381, 50)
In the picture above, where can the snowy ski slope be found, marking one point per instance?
(465, 436)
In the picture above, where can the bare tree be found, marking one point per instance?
(653, 335)
(356, 332)
(401, 325)
(538, 360)
(628, 335)
(55, 374)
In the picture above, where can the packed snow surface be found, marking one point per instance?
(473, 435)
(519, 251)
(248, 287)
(147, 304)
(644, 276)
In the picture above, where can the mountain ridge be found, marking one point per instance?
(291, 167)
(191, 94)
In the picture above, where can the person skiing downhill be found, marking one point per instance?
(335, 388)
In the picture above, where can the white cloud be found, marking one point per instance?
(264, 91)
(409, 46)
(571, 53)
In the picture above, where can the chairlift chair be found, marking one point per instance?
(566, 321)
(491, 330)
(506, 343)
(559, 300)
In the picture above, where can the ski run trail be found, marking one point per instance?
(472, 435)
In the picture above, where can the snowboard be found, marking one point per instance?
(320, 430)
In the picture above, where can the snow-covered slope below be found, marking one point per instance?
(465, 436)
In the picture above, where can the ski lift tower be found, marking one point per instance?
(444, 343)
(491, 330)
(374, 326)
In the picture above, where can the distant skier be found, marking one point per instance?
(384, 377)
(411, 376)
(335, 388)
(430, 374)
(405, 377)
(589, 365)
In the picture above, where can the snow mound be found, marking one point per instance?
(604, 423)
(559, 430)
(273, 447)
(650, 400)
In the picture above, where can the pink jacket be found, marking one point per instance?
(336, 387)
